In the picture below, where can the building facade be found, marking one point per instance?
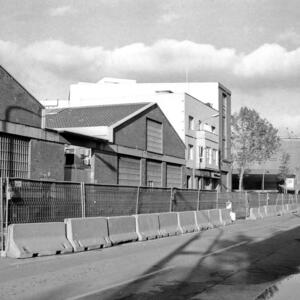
(26, 149)
(199, 112)
(124, 144)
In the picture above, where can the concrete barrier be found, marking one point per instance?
(37, 239)
(225, 216)
(279, 210)
(294, 207)
(271, 210)
(286, 208)
(122, 229)
(168, 224)
(147, 226)
(262, 211)
(187, 221)
(202, 218)
(215, 217)
(254, 213)
(88, 233)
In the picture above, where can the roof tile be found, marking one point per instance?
(87, 116)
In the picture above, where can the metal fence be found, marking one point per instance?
(31, 201)
(271, 198)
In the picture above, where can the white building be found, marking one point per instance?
(200, 113)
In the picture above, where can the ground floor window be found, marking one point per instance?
(14, 156)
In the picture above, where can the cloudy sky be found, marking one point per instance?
(251, 46)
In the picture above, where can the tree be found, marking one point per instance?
(254, 139)
(284, 169)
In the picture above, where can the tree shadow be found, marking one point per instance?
(255, 264)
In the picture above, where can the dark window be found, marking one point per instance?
(70, 158)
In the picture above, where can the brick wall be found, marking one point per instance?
(47, 160)
(105, 168)
(17, 105)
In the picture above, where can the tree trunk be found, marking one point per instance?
(241, 177)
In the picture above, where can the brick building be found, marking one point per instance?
(26, 150)
(126, 144)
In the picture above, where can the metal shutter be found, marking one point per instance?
(154, 174)
(174, 178)
(129, 171)
(14, 152)
(154, 136)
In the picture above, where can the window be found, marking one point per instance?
(70, 159)
(191, 123)
(190, 152)
(207, 183)
(208, 151)
(210, 156)
(189, 181)
(215, 157)
(199, 125)
(201, 154)
(154, 136)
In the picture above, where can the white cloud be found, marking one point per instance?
(45, 64)
(62, 11)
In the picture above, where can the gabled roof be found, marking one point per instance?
(92, 116)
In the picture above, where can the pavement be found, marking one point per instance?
(239, 261)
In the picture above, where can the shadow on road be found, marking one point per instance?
(256, 264)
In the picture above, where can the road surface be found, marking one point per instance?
(239, 261)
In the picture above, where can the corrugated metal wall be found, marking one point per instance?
(154, 173)
(129, 171)
(174, 178)
(154, 136)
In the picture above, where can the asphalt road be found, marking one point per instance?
(235, 262)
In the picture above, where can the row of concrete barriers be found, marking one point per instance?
(81, 234)
(272, 210)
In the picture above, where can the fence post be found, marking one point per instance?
(217, 200)
(259, 199)
(171, 201)
(198, 200)
(2, 246)
(267, 199)
(8, 197)
(82, 196)
(137, 201)
(246, 204)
